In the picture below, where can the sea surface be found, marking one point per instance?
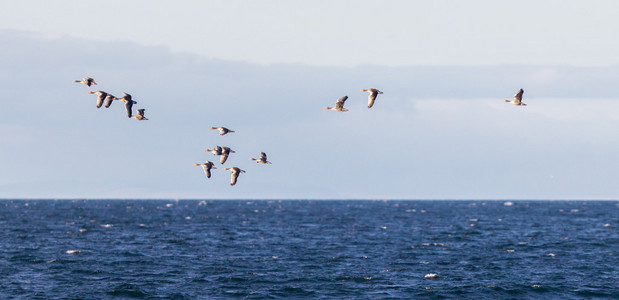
(296, 249)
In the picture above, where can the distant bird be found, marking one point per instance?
(517, 98)
(372, 97)
(128, 103)
(235, 174)
(222, 130)
(140, 115)
(216, 151)
(101, 95)
(225, 152)
(87, 81)
(339, 104)
(207, 166)
(262, 159)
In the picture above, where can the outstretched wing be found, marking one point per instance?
(207, 170)
(371, 99)
(233, 177)
(263, 156)
(339, 104)
(108, 100)
(100, 97)
(128, 107)
(518, 96)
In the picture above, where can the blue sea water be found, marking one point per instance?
(156, 249)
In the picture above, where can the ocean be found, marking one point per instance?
(307, 249)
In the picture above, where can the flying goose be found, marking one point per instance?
(372, 97)
(87, 81)
(262, 159)
(128, 103)
(339, 104)
(207, 166)
(235, 174)
(517, 98)
(101, 95)
(222, 130)
(140, 115)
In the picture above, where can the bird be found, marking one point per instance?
(517, 98)
(225, 152)
(216, 151)
(140, 115)
(235, 174)
(101, 95)
(128, 103)
(87, 81)
(372, 97)
(262, 159)
(222, 130)
(339, 104)
(207, 166)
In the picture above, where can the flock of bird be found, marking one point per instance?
(106, 99)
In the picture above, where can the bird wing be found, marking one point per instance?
(207, 170)
(108, 100)
(223, 158)
(340, 102)
(263, 156)
(233, 177)
(371, 99)
(128, 106)
(141, 112)
(518, 96)
(100, 97)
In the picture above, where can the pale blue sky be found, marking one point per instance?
(343, 33)
(267, 69)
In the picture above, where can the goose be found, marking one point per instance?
(87, 81)
(517, 98)
(372, 97)
(262, 159)
(207, 166)
(140, 115)
(222, 130)
(339, 104)
(216, 151)
(235, 174)
(128, 103)
(101, 95)
(225, 152)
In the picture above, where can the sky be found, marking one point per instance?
(267, 69)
